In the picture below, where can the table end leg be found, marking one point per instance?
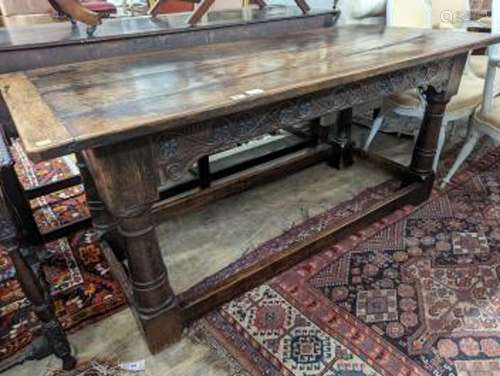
(342, 146)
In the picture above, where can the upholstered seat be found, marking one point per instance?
(485, 21)
(492, 117)
(469, 95)
(478, 65)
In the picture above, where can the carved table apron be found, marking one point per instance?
(130, 143)
(179, 150)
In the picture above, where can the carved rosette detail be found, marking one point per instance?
(179, 150)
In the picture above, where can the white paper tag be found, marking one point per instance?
(238, 97)
(138, 366)
(254, 92)
(43, 143)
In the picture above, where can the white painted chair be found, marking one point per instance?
(358, 12)
(486, 120)
(419, 13)
(362, 9)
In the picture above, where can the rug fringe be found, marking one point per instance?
(93, 367)
(200, 333)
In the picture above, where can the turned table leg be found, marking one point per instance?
(421, 166)
(102, 220)
(342, 145)
(320, 129)
(204, 172)
(54, 340)
(126, 177)
(425, 148)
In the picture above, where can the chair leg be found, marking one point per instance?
(376, 125)
(462, 156)
(440, 145)
(54, 340)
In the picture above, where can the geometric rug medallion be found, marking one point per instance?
(419, 295)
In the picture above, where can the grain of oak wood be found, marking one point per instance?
(101, 102)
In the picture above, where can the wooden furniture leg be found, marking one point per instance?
(320, 131)
(204, 172)
(126, 178)
(200, 12)
(425, 148)
(304, 7)
(421, 166)
(342, 145)
(54, 340)
(102, 221)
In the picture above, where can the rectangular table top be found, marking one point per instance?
(70, 107)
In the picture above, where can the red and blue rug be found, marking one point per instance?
(79, 279)
(417, 293)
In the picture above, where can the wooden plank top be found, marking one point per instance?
(70, 107)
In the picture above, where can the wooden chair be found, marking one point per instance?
(29, 275)
(205, 5)
(75, 11)
(21, 196)
(419, 13)
(486, 120)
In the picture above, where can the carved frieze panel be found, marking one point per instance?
(180, 149)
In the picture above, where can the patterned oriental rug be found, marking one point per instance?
(79, 279)
(59, 208)
(417, 293)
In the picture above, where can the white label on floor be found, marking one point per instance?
(138, 366)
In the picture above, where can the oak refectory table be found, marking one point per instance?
(137, 117)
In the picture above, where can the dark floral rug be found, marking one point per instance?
(417, 293)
